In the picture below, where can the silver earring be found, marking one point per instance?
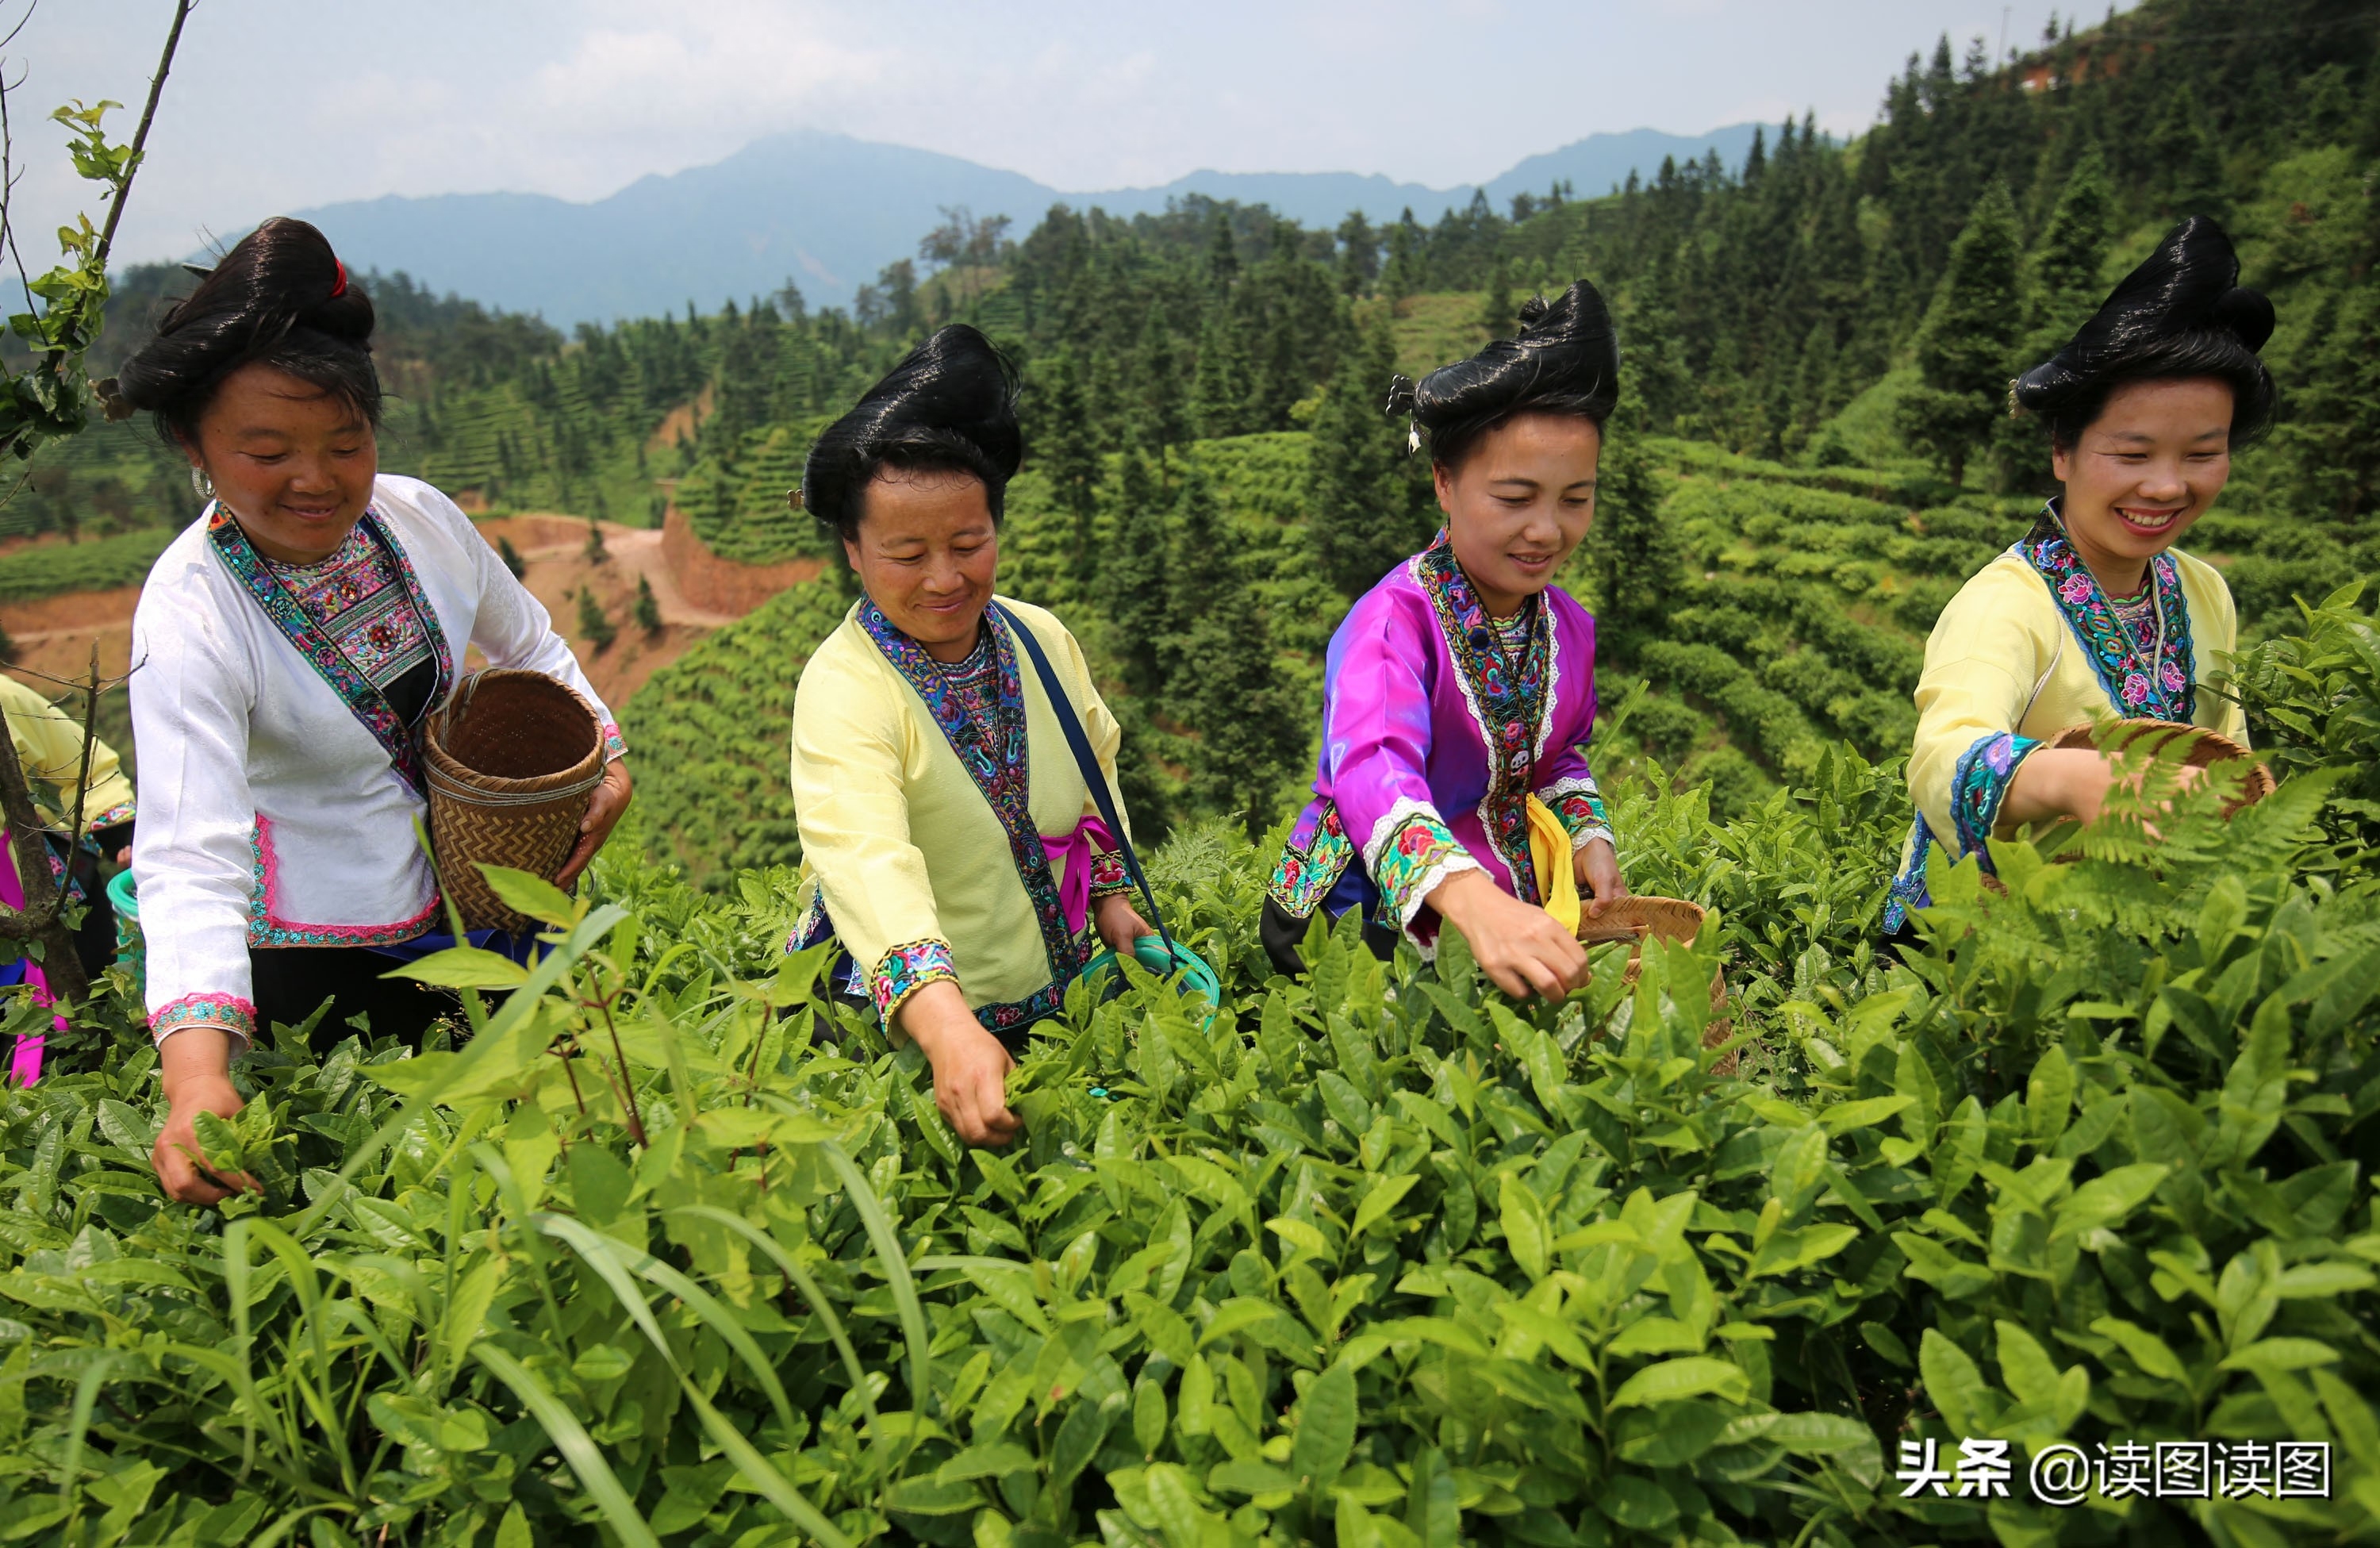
(203, 485)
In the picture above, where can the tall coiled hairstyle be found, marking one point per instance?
(2181, 313)
(949, 406)
(279, 298)
(1565, 360)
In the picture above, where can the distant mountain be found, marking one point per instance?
(828, 211)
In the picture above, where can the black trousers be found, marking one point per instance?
(1283, 935)
(290, 982)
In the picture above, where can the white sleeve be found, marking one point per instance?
(193, 860)
(513, 629)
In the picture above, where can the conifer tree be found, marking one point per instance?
(1158, 417)
(1967, 339)
(1361, 512)
(1495, 313)
(1133, 572)
(2329, 441)
(1219, 389)
(1219, 669)
(1359, 254)
(2066, 289)
(646, 609)
(1634, 555)
(1065, 451)
(2063, 290)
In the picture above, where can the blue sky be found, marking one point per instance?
(278, 104)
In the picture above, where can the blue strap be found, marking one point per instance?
(1085, 759)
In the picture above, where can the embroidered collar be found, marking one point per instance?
(1507, 697)
(2140, 680)
(988, 734)
(367, 703)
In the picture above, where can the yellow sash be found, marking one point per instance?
(1550, 849)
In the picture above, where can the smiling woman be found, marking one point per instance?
(1459, 693)
(2095, 614)
(286, 648)
(948, 839)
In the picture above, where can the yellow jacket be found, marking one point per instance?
(903, 858)
(2030, 648)
(49, 748)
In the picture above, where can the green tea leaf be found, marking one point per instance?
(1325, 1429)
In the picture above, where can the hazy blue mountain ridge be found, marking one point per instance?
(828, 211)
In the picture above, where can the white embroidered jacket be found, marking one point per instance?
(270, 815)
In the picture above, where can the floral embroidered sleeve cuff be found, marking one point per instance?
(115, 816)
(1108, 874)
(1579, 804)
(1414, 852)
(614, 745)
(1980, 784)
(226, 1013)
(907, 969)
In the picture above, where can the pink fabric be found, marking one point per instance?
(25, 1065)
(1075, 886)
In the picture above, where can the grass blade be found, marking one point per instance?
(576, 1446)
(896, 1271)
(588, 1242)
(86, 1398)
(793, 1270)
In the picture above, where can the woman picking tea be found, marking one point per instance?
(1459, 693)
(948, 840)
(2095, 614)
(286, 648)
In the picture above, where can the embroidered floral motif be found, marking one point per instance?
(228, 1012)
(120, 813)
(811, 925)
(1979, 785)
(363, 698)
(907, 969)
(1506, 700)
(987, 732)
(1108, 875)
(1409, 863)
(1303, 878)
(267, 926)
(1908, 890)
(356, 598)
(2138, 681)
(614, 747)
(1578, 801)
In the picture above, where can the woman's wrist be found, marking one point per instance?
(933, 1015)
(2056, 782)
(192, 1058)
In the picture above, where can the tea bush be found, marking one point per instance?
(673, 1249)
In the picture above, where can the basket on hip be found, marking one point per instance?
(514, 758)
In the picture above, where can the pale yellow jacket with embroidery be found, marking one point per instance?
(49, 748)
(898, 843)
(2003, 657)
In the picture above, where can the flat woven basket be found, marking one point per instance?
(2205, 749)
(1677, 923)
(514, 758)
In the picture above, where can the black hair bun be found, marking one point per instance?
(2181, 313)
(950, 404)
(280, 297)
(1564, 361)
(2248, 313)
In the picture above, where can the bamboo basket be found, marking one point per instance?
(1674, 922)
(2207, 749)
(514, 758)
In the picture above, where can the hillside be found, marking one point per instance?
(1201, 387)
